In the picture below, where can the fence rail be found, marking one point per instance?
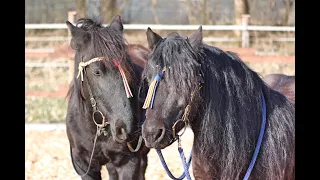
(205, 39)
(47, 65)
(244, 28)
(175, 27)
(47, 38)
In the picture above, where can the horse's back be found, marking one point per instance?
(138, 54)
(282, 83)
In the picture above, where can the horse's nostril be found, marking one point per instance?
(121, 133)
(158, 134)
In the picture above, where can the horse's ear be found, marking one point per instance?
(195, 38)
(116, 23)
(71, 27)
(152, 37)
(79, 36)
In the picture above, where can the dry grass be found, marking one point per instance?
(45, 79)
(47, 157)
(45, 109)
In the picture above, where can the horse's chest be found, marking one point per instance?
(201, 170)
(113, 152)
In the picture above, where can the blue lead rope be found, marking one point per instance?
(185, 164)
(256, 151)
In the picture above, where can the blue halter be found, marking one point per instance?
(157, 78)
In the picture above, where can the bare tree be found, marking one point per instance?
(122, 6)
(81, 8)
(203, 11)
(154, 13)
(190, 6)
(240, 7)
(108, 8)
(288, 7)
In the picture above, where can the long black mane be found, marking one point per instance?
(229, 117)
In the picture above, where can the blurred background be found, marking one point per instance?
(262, 32)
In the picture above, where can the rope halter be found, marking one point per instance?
(82, 65)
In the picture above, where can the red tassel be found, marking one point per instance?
(124, 79)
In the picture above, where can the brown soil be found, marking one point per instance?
(47, 157)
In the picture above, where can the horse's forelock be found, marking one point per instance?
(180, 60)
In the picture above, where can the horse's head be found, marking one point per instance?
(176, 93)
(105, 74)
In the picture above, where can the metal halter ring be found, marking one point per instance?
(103, 118)
(174, 130)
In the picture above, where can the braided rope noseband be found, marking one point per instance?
(82, 65)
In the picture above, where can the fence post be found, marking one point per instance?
(71, 18)
(245, 33)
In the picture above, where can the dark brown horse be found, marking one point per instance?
(225, 103)
(103, 115)
(283, 83)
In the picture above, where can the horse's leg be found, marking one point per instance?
(113, 175)
(130, 170)
(143, 166)
(81, 163)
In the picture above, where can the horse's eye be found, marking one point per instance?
(96, 72)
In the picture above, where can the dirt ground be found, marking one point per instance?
(47, 157)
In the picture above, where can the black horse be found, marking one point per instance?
(102, 115)
(282, 83)
(221, 99)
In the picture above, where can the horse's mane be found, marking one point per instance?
(233, 111)
(230, 115)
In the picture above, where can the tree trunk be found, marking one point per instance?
(190, 8)
(108, 9)
(81, 8)
(240, 8)
(122, 6)
(203, 12)
(288, 4)
(154, 14)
